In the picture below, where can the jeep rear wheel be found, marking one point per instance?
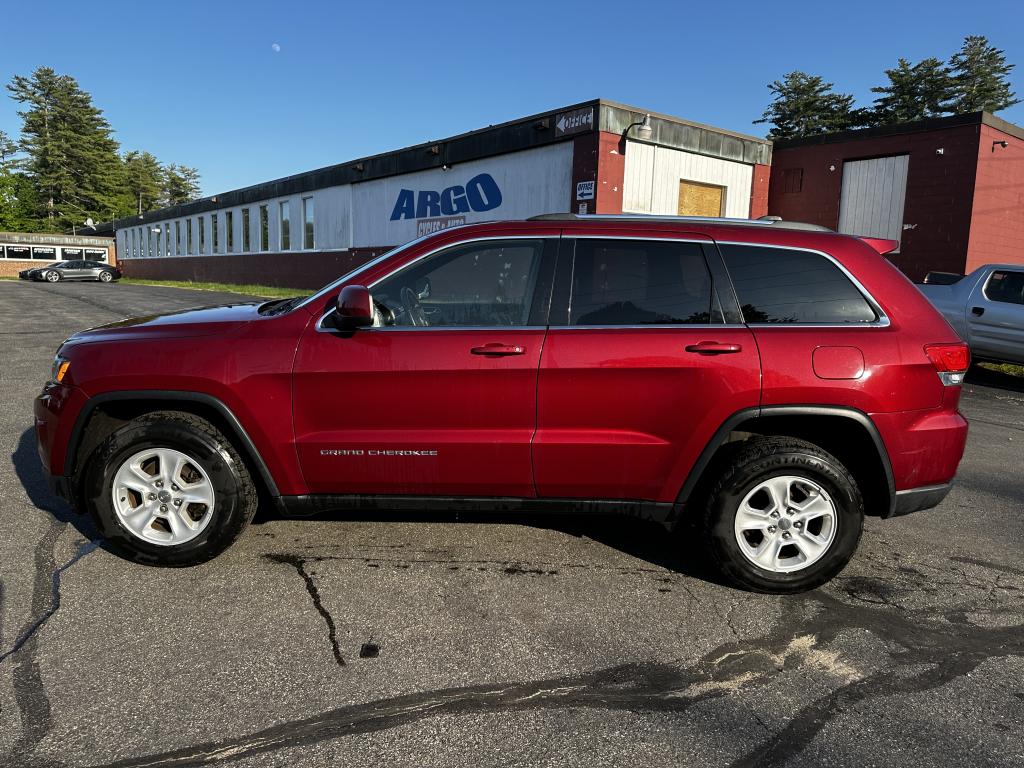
(783, 516)
(169, 489)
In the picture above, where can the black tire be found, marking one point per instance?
(236, 495)
(53, 276)
(752, 463)
(105, 276)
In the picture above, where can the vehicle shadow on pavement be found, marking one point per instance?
(30, 473)
(677, 551)
(988, 378)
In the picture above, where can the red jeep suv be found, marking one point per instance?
(768, 383)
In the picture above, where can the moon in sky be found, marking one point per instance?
(275, 47)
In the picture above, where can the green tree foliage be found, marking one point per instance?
(976, 78)
(915, 92)
(70, 155)
(66, 166)
(180, 184)
(143, 181)
(980, 77)
(805, 105)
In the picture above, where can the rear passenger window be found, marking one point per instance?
(625, 282)
(779, 285)
(1007, 287)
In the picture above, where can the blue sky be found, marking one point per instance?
(201, 83)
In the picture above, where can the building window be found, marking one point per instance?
(166, 227)
(245, 230)
(177, 238)
(264, 228)
(202, 234)
(188, 236)
(150, 251)
(307, 222)
(214, 234)
(134, 251)
(229, 230)
(285, 220)
(792, 180)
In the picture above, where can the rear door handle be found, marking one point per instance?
(714, 348)
(498, 350)
(977, 311)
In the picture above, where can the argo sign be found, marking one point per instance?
(481, 193)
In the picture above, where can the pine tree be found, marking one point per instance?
(805, 105)
(70, 155)
(914, 92)
(143, 181)
(980, 75)
(180, 184)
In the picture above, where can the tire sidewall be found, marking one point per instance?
(52, 277)
(229, 513)
(105, 277)
(830, 476)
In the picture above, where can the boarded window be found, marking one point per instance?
(699, 199)
(792, 179)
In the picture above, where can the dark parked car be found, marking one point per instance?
(73, 270)
(755, 383)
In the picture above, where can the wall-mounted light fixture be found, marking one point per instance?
(435, 149)
(997, 143)
(358, 167)
(940, 151)
(643, 132)
(542, 124)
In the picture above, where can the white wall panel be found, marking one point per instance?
(873, 196)
(531, 182)
(652, 177)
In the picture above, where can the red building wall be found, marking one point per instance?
(997, 216)
(806, 185)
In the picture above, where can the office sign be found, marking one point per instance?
(575, 121)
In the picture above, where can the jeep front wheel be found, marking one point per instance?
(784, 516)
(169, 489)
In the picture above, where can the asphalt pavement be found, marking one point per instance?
(442, 640)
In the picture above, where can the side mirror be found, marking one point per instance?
(354, 308)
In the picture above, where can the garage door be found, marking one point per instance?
(874, 192)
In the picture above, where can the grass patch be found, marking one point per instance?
(260, 291)
(1008, 368)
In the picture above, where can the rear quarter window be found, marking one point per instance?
(786, 286)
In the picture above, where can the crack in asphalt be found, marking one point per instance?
(935, 647)
(29, 690)
(299, 564)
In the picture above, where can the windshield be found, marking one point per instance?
(371, 263)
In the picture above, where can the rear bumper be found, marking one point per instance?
(917, 499)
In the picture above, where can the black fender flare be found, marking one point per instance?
(170, 396)
(737, 420)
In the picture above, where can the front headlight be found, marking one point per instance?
(59, 369)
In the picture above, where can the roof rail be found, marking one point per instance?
(764, 221)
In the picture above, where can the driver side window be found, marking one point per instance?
(477, 284)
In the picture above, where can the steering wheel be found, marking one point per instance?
(413, 308)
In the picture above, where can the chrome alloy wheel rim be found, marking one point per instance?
(163, 496)
(785, 524)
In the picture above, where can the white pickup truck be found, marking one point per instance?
(986, 308)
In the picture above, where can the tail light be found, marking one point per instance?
(951, 361)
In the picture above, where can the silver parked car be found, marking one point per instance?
(73, 270)
(987, 309)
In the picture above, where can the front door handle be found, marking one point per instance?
(977, 311)
(714, 348)
(498, 350)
